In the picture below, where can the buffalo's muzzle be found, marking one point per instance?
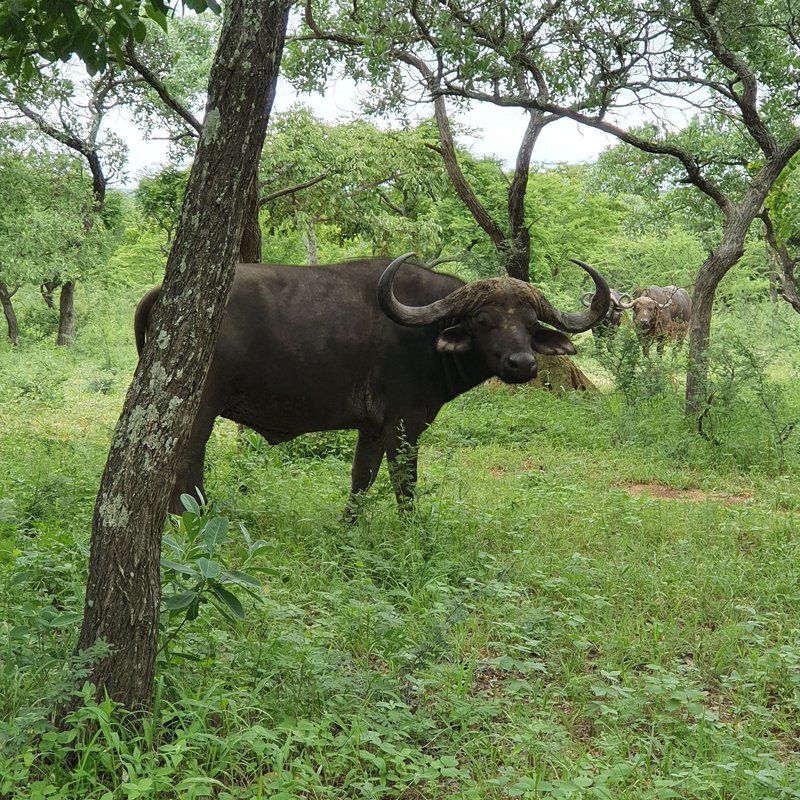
(519, 367)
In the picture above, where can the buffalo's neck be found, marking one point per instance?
(461, 372)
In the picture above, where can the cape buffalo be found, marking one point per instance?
(608, 326)
(661, 313)
(369, 346)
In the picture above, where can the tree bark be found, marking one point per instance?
(309, 236)
(773, 276)
(710, 274)
(8, 310)
(66, 316)
(250, 251)
(123, 588)
(47, 288)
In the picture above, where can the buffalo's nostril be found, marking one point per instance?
(521, 363)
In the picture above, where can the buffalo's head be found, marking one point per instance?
(499, 320)
(646, 309)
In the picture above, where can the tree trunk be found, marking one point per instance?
(123, 588)
(309, 236)
(66, 317)
(780, 254)
(711, 273)
(8, 310)
(251, 235)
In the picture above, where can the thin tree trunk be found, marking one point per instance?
(47, 288)
(780, 253)
(309, 236)
(8, 310)
(773, 276)
(123, 589)
(66, 316)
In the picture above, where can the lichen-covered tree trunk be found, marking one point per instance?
(123, 588)
(66, 314)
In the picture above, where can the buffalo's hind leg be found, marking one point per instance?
(366, 463)
(189, 478)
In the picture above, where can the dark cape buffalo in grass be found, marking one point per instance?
(365, 345)
(661, 313)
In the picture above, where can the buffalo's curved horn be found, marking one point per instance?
(583, 320)
(623, 303)
(586, 299)
(409, 315)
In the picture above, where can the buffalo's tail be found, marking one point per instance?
(142, 315)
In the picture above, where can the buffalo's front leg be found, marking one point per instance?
(366, 463)
(401, 456)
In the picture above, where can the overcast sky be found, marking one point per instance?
(497, 131)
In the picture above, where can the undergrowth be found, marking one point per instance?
(533, 629)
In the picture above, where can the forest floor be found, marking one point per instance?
(590, 601)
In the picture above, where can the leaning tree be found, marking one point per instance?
(123, 588)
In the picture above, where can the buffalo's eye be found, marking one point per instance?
(484, 319)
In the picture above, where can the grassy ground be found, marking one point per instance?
(591, 601)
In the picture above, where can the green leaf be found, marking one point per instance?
(157, 15)
(175, 602)
(66, 619)
(215, 532)
(236, 576)
(140, 31)
(230, 600)
(176, 567)
(190, 504)
(208, 568)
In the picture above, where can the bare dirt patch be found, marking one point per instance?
(659, 491)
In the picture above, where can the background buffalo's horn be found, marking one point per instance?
(586, 298)
(409, 315)
(623, 303)
(583, 320)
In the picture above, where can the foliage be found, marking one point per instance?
(198, 571)
(378, 185)
(30, 29)
(159, 198)
(43, 213)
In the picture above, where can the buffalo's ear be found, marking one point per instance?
(455, 339)
(552, 343)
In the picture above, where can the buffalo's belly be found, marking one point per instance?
(280, 415)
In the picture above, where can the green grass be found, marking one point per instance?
(534, 629)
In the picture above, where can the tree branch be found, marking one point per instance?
(161, 90)
(268, 198)
(788, 281)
